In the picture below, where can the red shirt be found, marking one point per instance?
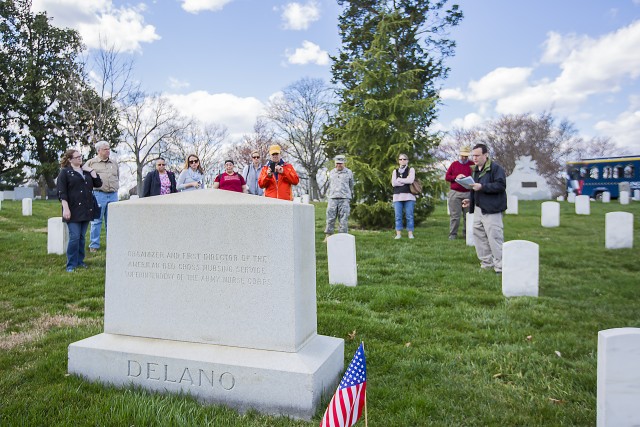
(230, 182)
(456, 169)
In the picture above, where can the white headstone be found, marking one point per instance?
(341, 256)
(1, 196)
(571, 197)
(606, 197)
(520, 268)
(27, 207)
(583, 206)
(624, 198)
(134, 197)
(226, 312)
(448, 211)
(618, 230)
(560, 198)
(0, 205)
(469, 236)
(550, 216)
(636, 195)
(512, 205)
(618, 392)
(57, 236)
(297, 199)
(305, 199)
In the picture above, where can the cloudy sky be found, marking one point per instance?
(221, 60)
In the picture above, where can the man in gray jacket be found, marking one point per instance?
(339, 196)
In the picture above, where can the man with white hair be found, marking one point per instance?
(107, 168)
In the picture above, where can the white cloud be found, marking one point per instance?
(97, 20)
(467, 122)
(455, 94)
(624, 130)
(498, 83)
(308, 53)
(195, 6)
(177, 84)
(298, 16)
(237, 114)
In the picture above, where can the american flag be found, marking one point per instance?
(346, 405)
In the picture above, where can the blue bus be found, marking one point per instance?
(592, 177)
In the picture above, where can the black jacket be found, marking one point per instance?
(151, 185)
(492, 197)
(77, 190)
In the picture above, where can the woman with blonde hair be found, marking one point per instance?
(192, 175)
(75, 184)
(403, 199)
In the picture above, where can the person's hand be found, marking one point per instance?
(66, 213)
(279, 169)
(269, 173)
(195, 184)
(465, 203)
(460, 176)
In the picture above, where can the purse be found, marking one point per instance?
(416, 187)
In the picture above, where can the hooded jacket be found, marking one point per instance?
(278, 186)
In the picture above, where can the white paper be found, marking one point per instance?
(466, 182)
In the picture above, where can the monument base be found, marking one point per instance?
(271, 382)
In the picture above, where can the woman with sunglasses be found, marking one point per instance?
(192, 175)
(403, 200)
(160, 181)
(251, 173)
(75, 186)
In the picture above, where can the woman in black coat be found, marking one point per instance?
(160, 181)
(75, 185)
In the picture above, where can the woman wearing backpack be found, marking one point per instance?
(403, 199)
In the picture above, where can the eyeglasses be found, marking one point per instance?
(159, 164)
(403, 159)
(255, 157)
(275, 154)
(77, 157)
(194, 161)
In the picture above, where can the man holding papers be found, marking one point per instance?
(488, 202)
(459, 191)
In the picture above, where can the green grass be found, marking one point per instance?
(444, 347)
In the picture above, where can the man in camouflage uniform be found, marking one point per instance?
(339, 195)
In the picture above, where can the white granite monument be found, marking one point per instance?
(618, 230)
(618, 381)
(27, 207)
(525, 182)
(469, 237)
(624, 198)
(550, 214)
(57, 236)
(583, 205)
(341, 257)
(212, 293)
(512, 205)
(520, 268)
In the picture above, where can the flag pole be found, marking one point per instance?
(366, 421)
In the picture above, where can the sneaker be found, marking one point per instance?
(499, 273)
(325, 238)
(93, 249)
(398, 236)
(83, 265)
(452, 237)
(69, 269)
(411, 236)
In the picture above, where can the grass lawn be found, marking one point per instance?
(443, 346)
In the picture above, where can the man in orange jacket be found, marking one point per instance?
(277, 177)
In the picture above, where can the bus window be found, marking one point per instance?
(607, 172)
(574, 174)
(628, 171)
(593, 173)
(583, 172)
(617, 172)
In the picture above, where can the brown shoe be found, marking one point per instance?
(93, 249)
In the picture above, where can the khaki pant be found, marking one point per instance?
(456, 211)
(488, 234)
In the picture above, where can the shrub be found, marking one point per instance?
(380, 215)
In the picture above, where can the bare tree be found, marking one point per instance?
(261, 138)
(149, 121)
(597, 147)
(299, 116)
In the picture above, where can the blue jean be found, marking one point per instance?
(407, 206)
(96, 225)
(75, 248)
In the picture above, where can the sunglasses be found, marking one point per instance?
(403, 159)
(194, 161)
(255, 157)
(159, 164)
